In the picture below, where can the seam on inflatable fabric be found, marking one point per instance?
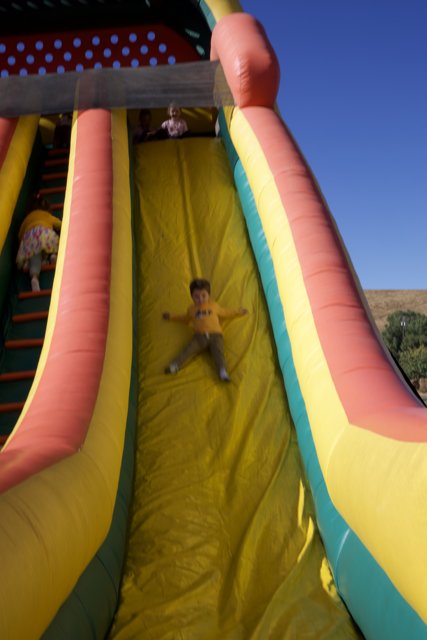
(340, 548)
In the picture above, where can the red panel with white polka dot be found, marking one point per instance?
(93, 49)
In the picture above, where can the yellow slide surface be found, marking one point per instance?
(223, 541)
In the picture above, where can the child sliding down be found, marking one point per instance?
(203, 316)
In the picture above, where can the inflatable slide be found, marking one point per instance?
(288, 503)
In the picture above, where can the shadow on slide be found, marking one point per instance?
(223, 541)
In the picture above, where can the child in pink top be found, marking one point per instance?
(175, 126)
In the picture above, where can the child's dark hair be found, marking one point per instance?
(143, 113)
(199, 283)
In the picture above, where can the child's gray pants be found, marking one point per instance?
(200, 342)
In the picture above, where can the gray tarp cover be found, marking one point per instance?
(191, 84)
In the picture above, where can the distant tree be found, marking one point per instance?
(414, 363)
(405, 334)
(405, 330)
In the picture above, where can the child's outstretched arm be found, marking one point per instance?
(231, 313)
(175, 317)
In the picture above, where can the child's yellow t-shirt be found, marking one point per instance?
(204, 318)
(39, 218)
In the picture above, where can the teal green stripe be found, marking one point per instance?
(208, 14)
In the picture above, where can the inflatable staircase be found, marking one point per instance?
(25, 326)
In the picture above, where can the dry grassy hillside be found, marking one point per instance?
(382, 302)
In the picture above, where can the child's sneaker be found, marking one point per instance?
(35, 284)
(223, 374)
(172, 368)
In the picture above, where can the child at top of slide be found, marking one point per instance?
(143, 131)
(203, 316)
(175, 126)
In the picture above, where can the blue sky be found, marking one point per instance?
(354, 94)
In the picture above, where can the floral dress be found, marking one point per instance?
(38, 239)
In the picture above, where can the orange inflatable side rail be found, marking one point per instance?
(359, 365)
(68, 385)
(248, 59)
